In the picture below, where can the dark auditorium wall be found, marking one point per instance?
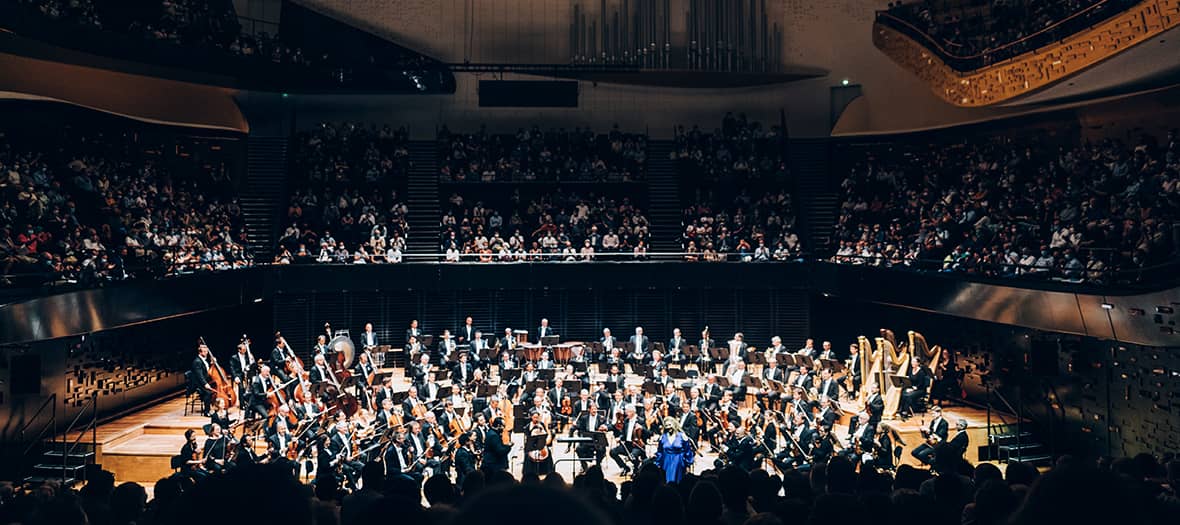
(126, 366)
(1104, 398)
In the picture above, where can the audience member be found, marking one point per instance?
(533, 155)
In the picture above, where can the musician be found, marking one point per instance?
(617, 406)
(421, 370)
(853, 365)
(191, 458)
(465, 459)
(958, 443)
(672, 397)
(589, 421)
(478, 345)
(630, 435)
(616, 377)
(544, 330)
(804, 379)
(412, 404)
(240, 365)
(413, 333)
(320, 373)
(689, 421)
(280, 443)
(508, 342)
(705, 361)
(506, 362)
(827, 352)
(578, 355)
(220, 415)
(367, 372)
(776, 346)
(200, 377)
(414, 349)
(875, 404)
(428, 391)
(495, 451)
(600, 396)
(771, 372)
(860, 436)
(446, 346)
(546, 362)
(260, 387)
(278, 358)
(828, 387)
(827, 414)
(695, 401)
(737, 380)
(614, 359)
(676, 347)
(538, 460)
(658, 364)
(913, 395)
(421, 441)
(216, 450)
(321, 347)
(558, 393)
(935, 433)
(769, 429)
(309, 410)
(385, 416)
(713, 391)
(397, 459)
(640, 342)
(468, 333)
(799, 444)
(463, 371)
(608, 341)
(368, 337)
(386, 390)
(808, 348)
(740, 449)
(340, 448)
(738, 346)
(824, 446)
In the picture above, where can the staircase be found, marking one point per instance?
(663, 197)
(50, 456)
(1011, 444)
(815, 200)
(422, 198)
(263, 194)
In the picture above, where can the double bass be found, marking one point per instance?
(222, 383)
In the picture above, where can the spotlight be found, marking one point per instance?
(844, 82)
(1107, 306)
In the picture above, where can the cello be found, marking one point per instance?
(223, 385)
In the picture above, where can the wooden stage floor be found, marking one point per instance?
(138, 447)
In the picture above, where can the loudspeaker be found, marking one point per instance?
(1043, 358)
(26, 374)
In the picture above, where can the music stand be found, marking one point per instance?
(718, 353)
(485, 390)
(441, 374)
(600, 442)
(427, 340)
(757, 358)
(722, 381)
(532, 386)
(831, 364)
(640, 369)
(900, 381)
(547, 374)
(751, 380)
(654, 388)
(603, 367)
(581, 368)
(510, 375)
(677, 373)
(537, 442)
(520, 424)
(692, 352)
(550, 340)
(786, 359)
(610, 386)
(805, 360)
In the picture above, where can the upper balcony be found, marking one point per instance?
(984, 67)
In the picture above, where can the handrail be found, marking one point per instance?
(949, 56)
(92, 404)
(1110, 275)
(50, 401)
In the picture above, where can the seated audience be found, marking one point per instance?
(345, 206)
(534, 155)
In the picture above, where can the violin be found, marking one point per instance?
(567, 408)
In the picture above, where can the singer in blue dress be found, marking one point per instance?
(675, 452)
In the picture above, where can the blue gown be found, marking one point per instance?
(674, 454)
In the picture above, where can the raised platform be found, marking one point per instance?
(910, 430)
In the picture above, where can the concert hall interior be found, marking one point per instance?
(614, 262)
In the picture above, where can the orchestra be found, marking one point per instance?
(456, 410)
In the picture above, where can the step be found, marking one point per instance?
(1001, 439)
(1020, 447)
(50, 467)
(43, 479)
(81, 456)
(1039, 458)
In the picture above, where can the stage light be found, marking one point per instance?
(844, 82)
(1107, 306)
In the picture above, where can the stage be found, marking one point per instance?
(139, 446)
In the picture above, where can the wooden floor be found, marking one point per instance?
(977, 422)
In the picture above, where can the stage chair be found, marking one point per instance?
(192, 399)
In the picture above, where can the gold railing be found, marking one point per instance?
(1034, 69)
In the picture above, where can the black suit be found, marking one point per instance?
(875, 407)
(495, 452)
(416, 332)
(641, 343)
(545, 331)
(237, 368)
(467, 333)
(958, 443)
(829, 388)
(397, 460)
(741, 453)
(200, 378)
(368, 339)
(464, 464)
(319, 375)
(913, 395)
(278, 363)
(925, 452)
(584, 426)
(626, 454)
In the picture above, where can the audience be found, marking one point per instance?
(551, 226)
(993, 31)
(743, 209)
(1143, 490)
(533, 155)
(1014, 207)
(345, 206)
(89, 206)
